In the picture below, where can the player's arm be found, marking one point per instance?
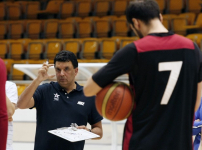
(26, 99)
(91, 88)
(11, 99)
(10, 107)
(122, 62)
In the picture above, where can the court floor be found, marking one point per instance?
(29, 146)
(25, 125)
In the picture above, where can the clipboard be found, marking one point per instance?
(68, 133)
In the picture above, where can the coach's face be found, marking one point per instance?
(65, 73)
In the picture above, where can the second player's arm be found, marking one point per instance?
(91, 88)
(121, 63)
(10, 107)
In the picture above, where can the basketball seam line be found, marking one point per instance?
(121, 102)
(106, 98)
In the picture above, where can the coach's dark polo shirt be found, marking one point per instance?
(56, 109)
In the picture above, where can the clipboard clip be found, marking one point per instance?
(74, 126)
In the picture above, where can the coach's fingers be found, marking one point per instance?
(10, 119)
(50, 65)
(83, 127)
(45, 68)
(42, 70)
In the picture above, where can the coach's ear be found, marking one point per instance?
(161, 17)
(76, 71)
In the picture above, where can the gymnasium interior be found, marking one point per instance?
(32, 31)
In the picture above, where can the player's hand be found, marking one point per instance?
(197, 120)
(10, 119)
(43, 72)
(83, 127)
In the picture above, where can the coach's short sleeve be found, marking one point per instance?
(94, 116)
(38, 96)
(121, 63)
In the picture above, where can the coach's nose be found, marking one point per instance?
(62, 73)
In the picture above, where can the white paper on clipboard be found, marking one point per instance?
(73, 136)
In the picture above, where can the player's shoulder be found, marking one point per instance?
(178, 38)
(127, 48)
(171, 41)
(183, 40)
(126, 51)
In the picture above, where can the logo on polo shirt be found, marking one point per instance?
(81, 103)
(56, 98)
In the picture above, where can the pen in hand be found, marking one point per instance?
(49, 65)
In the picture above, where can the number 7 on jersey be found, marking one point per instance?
(174, 68)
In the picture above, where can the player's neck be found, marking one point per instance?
(156, 27)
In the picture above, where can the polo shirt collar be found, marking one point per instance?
(78, 87)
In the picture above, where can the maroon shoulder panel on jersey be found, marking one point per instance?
(156, 43)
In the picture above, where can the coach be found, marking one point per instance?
(59, 104)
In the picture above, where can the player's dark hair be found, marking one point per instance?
(144, 10)
(64, 56)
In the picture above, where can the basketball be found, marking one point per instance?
(115, 101)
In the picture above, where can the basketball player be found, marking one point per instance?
(3, 109)
(11, 100)
(165, 73)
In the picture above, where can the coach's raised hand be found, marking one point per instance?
(26, 99)
(43, 72)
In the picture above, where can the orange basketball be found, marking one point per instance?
(115, 101)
